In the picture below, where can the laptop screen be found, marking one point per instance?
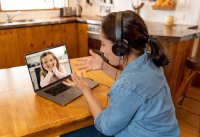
(48, 66)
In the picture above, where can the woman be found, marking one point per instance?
(140, 101)
(51, 70)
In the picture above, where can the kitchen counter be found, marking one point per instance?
(168, 34)
(36, 22)
(48, 21)
(90, 19)
(174, 33)
(178, 40)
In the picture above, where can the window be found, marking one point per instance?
(30, 4)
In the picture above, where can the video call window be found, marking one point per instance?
(48, 66)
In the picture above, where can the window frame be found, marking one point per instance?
(39, 9)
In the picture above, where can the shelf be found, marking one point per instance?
(164, 7)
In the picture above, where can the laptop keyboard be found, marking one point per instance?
(57, 89)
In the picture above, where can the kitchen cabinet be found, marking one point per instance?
(178, 41)
(9, 48)
(19, 41)
(71, 39)
(82, 39)
(175, 70)
(40, 37)
(30, 39)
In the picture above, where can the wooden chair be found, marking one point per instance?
(193, 64)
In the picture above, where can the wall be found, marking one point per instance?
(187, 11)
(30, 14)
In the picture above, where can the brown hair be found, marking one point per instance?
(134, 30)
(43, 70)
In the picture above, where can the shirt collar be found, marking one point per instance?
(137, 62)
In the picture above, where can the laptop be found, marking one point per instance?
(48, 68)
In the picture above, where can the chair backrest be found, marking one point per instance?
(37, 72)
(193, 63)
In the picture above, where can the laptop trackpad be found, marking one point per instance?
(71, 93)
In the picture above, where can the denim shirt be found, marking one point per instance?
(140, 103)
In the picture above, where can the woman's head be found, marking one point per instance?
(134, 34)
(48, 60)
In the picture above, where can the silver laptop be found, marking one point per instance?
(47, 69)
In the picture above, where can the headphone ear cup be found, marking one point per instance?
(120, 49)
(115, 49)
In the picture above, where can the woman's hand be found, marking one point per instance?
(78, 83)
(95, 62)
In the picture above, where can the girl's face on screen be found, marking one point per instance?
(48, 62)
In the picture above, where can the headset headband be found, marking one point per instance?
(118, 27)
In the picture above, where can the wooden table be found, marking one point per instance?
(23, 113)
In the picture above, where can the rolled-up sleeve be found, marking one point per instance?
(124, 102)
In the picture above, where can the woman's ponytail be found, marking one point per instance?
(134, 30)
(158, 54)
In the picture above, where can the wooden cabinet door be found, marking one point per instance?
(40, 37)
(55, 34)
(9, 48)
(71, 39)
(14, 43)
(82, 39)
(63, 34)
(31, 39)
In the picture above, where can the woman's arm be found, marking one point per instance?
(95, 62)
(44, 81)
(94, 104)
(83, 86)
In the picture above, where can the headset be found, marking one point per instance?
(120, 47)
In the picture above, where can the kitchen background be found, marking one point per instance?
(186, 12)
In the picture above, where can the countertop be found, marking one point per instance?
(172, 33)
(168, 34)
(47, 21)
